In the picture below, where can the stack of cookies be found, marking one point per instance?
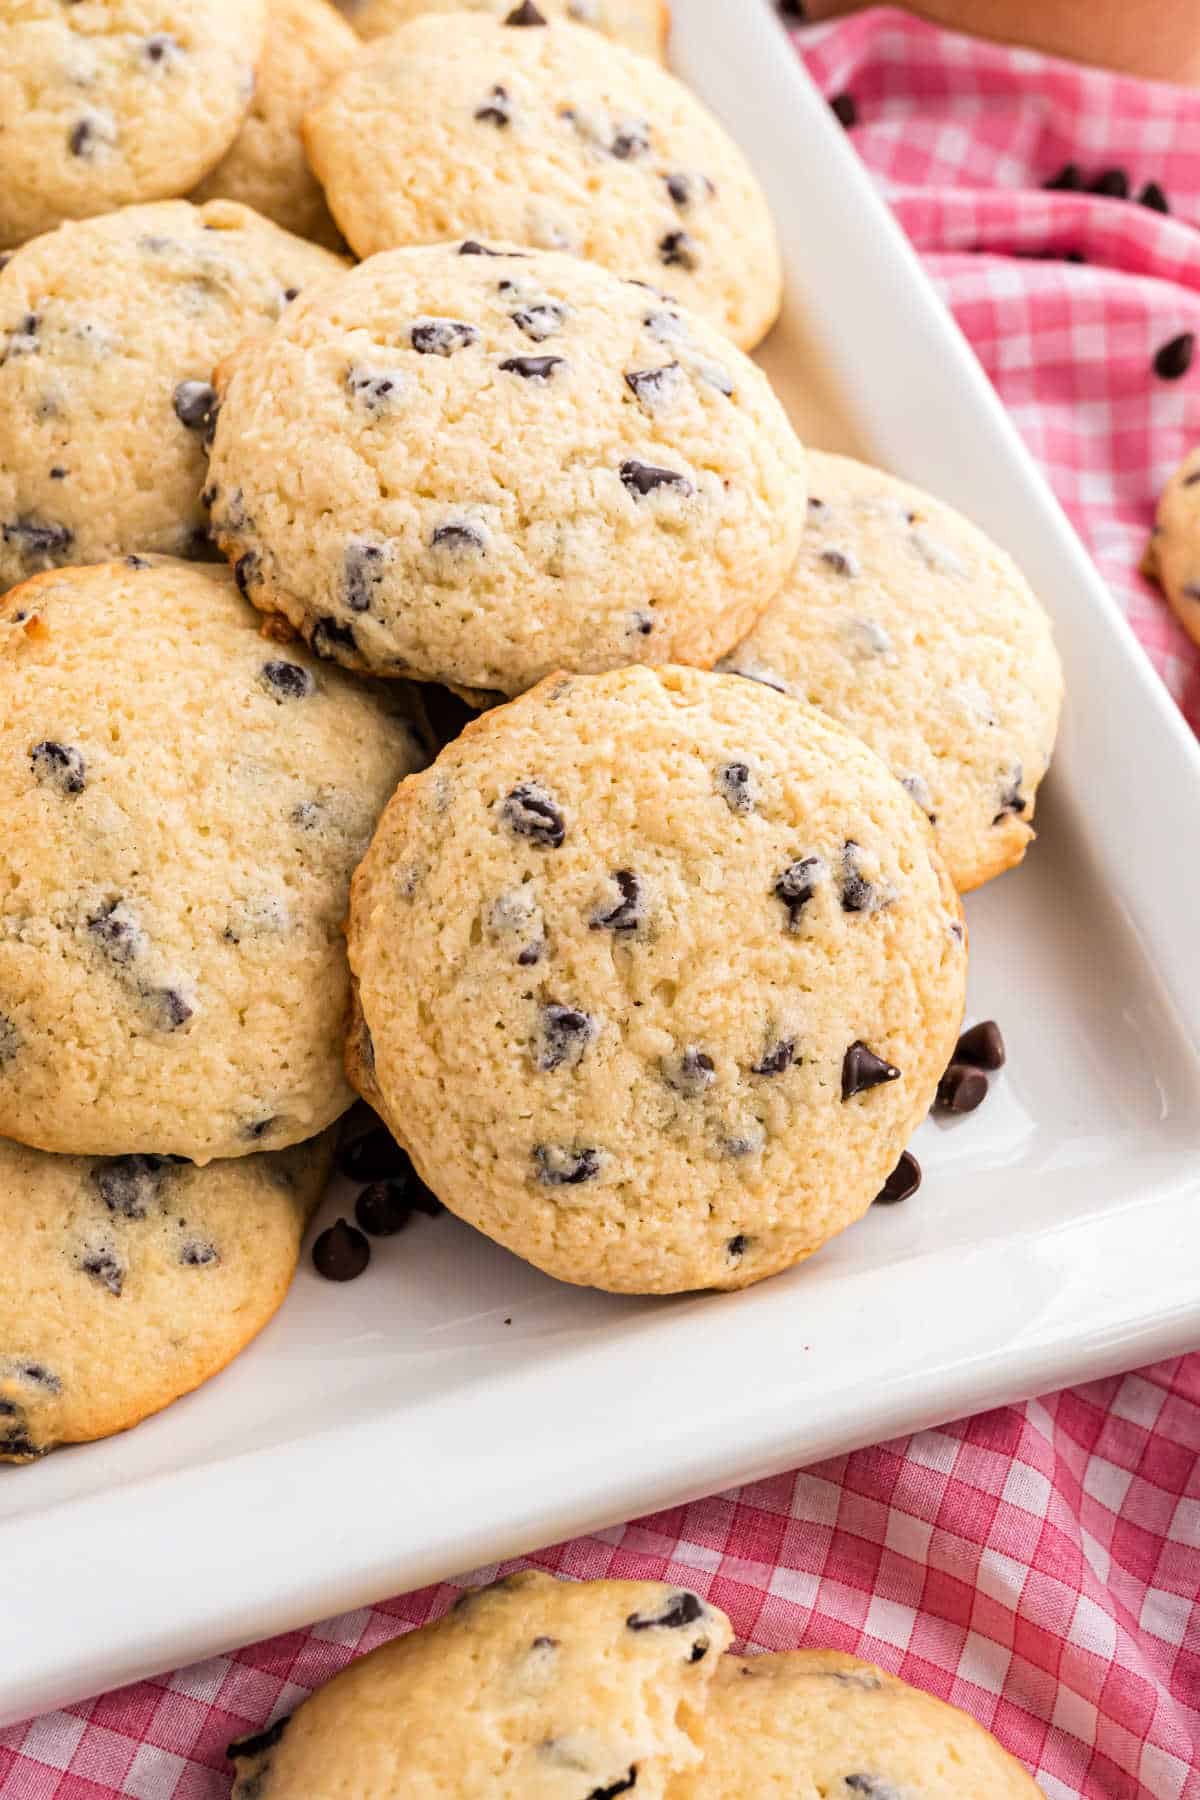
(655, 969)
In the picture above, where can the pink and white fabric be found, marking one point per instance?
(1039, 1565)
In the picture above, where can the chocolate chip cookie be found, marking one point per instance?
(640, 24)
(474, 465)
(656, 973)
(183, 803)
(126, 1282)
(109, 331)
(106, 102)
(1173, 554)
(911, 628)
(545, 134)
(532, 1687)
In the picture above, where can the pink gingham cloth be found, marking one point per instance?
(1039, 1565)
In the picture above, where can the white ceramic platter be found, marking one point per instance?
(453, 1406)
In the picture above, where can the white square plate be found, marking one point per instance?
(455, 1406)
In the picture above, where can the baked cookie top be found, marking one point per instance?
(476, 465)
(126, 1282)
(908, 626)
(533, 1689)
(184, 802)
(1173, 556)
(657, 973)
(815, 1722)
(105, 102)
(109, 331)
(546, 134)
(640, 24)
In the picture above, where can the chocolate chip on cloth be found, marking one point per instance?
(127, 101)
(908, 626)
(107, 407)
(126, 1282)
(182, 809)
(669, 1075)
(553, 138)
(531, 1687)
(521, 506)
(1172, 557)
(816, 1722)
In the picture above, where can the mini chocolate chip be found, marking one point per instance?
(37, 537)
(81, 139)
(258, 1128)
(168, 1007)
(460, 535)
(616, 1787)
(104, 1268)
(161, 48)
(857, 893)
(442, 337)
(18, 1443)
(117, 932)
(684, 188)
(58, 473)
(564, 1034)
(690, 1073)
(525, 14)
(341, 1253)
(871, 1787)
(472, 247)
(1113, 183)
(10, 1040)
(641, 624)
(497, 109)
(655, 387)
(375, 389)
(363, 568)
(982, 1046)
(530, 955)
(630, 142)
(736, 1247)
(840, 562)
(58, 766)
(961, 1089)
(902, 1183)
(560, 1167)
(529, 812)
(1154, 196)
(735, 784)
(628, 914)
(532, 368)
(195, 404)
(641, 478)
(137, 562)
(844, 109)
(1174, 359)
(198, 1255)
(245, 572)
(779, 1057)
(1012, 801)
(678, 250)
(796, 886)
(130, 1185)
(260, 1742)
(286, 680)
(863, 1070)
(382, 1209)
(1068, 180)
(372, 1156)
(679, 1610)
(540, 319)
(329, 636)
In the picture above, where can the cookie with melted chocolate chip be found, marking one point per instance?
(639, 24)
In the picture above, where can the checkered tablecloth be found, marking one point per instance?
(1039, 1565)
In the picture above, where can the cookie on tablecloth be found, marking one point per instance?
(531, 1687)
(656, 974)
(815, 1722)
(126, 1282)
(109, 331)
(105, 102)
(640, 24)
(549, 135)
(183, 803)
(1173, 554)
(908, 626)
(308, 43)
(475, 466)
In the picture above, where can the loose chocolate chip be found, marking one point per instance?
(459, 537)
(245, 572)
(375, 389)
(863, 1070)
(117, 932)
(37, 537)
(641, 479)
(1174, 359)
(1113, 183)
(616, 1787)
(564, 1034)
(363, 569)
(529, 812)
(857, 893)
(532, 368)
(81, 139)
(383, 1209)
(677, 250)
(373, 1156)
(655, 388)
(1012, 801)
(796, 886)
(330, 635)
(58, 766)
(681, 1609)
(195, 404)
(560, 1167)
(525, 14)
(198, 1255)
(628, 914)
(736, 1247)
(961, 1089)
(539, 320)
(497, 108)
(982, 1046)
(779, 1057)
(260, 1742)
(630, 142)
(902, 1183)
(1068, 180)
(690, 1073)
(130, 1185)
(844, 109)
(735, 784)
(341, 1253)
(286, 680)
(442, 337)
(1154, 196)
(104, 1268)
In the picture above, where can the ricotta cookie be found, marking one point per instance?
(1173, 555)
(642, 25)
